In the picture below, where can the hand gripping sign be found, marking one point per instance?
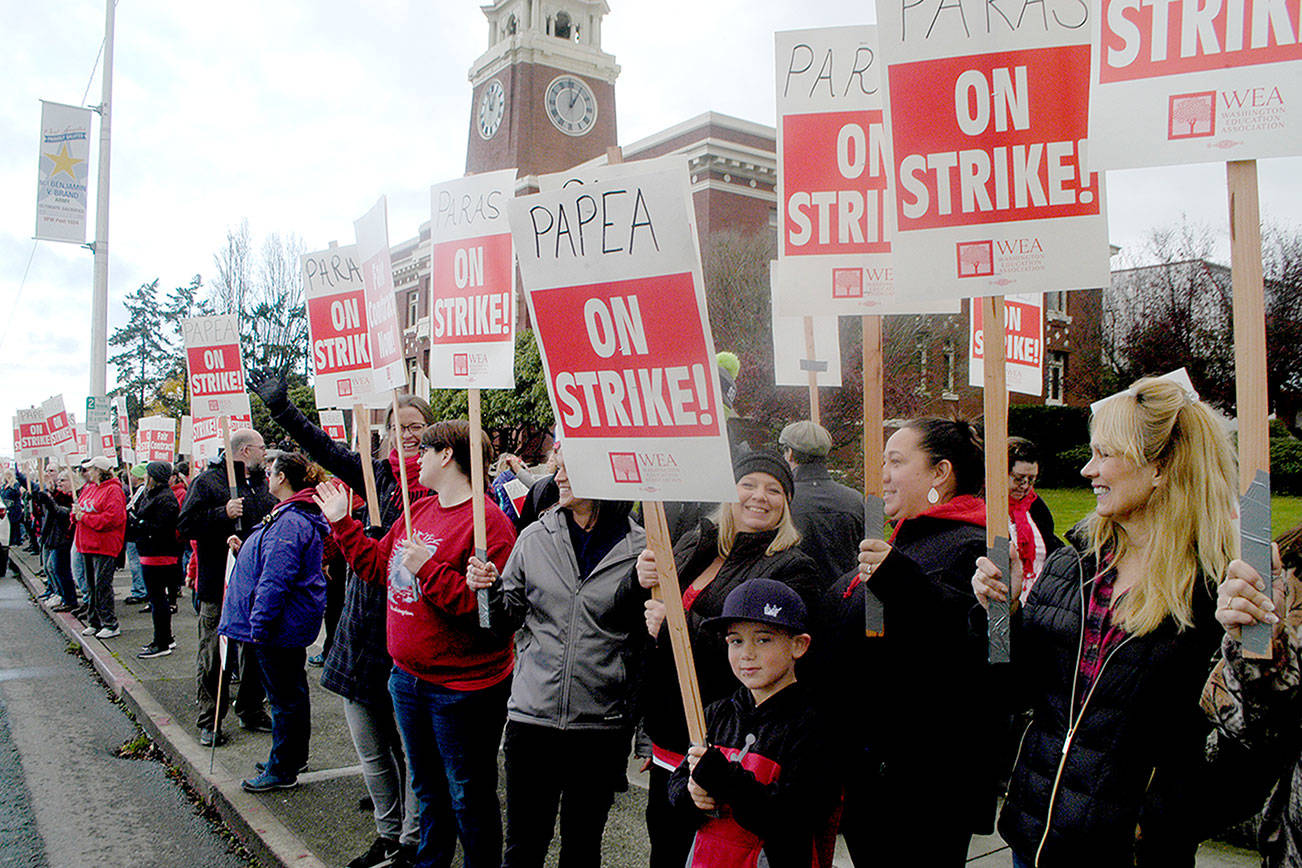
(216, 371)
(338, 326)
(381, 310)
(615, 292)
(986, 107)
(472, 287)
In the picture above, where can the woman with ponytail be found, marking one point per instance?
(1113, 645)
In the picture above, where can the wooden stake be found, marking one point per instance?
(362, 433)
(224, 423)
(873, 447)
(657, 535)
(996, 449)
(1250, 385)
(477, 498)
(814, 414)
(402, 465)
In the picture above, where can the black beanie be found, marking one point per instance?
(159, 471)
(765, 461)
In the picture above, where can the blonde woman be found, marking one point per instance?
(1113, 645)
(752, 538)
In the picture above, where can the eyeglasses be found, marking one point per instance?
(1018, 479)
(411, 429)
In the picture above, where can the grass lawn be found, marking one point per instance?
(1070, 505)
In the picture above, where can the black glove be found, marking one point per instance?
(271, 388)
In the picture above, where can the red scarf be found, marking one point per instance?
(1019, 512)
(414, 488)
(966, 508)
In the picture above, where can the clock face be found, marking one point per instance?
(492, 105)
(571, 105)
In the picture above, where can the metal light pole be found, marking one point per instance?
(99, 296)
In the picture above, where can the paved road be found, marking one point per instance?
(65, 798)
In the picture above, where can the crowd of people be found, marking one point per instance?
(1126, 638)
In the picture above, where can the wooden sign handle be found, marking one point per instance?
(477, 497)
(657, 535)
(362, 431)
(224, 423)
(873, 449)
(815, 414)
(996, 448)
(402, 466)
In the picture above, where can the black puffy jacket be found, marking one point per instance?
(203, 519)
(1136, 752)
(151, 523)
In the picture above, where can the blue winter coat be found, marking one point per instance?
(277, 591)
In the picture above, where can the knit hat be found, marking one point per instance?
(807, 438)
(765, 461)
(764, 601)
(159, 471)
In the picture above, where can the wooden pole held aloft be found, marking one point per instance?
(996, 454)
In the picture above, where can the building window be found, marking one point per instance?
(920, 354)
(1055, 306)
(512, 26)
(561, 30)
(950, 362)
(413, 309)
(1055, 378)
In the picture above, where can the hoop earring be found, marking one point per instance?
(933, 496)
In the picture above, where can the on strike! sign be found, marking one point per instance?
(206, 433)
(381, 308)
(616, 296)
(58, 427)
(1195, 82)
(32, 436)
(212, 356)
(156, 438)
(338, 327)
(987, 112)
(472, 288)
(1023, 344)
(106, 444)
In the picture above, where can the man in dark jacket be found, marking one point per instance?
(210, 516)
(828, 514)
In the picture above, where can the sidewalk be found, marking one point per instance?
(321, 823)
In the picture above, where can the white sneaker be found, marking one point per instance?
(89, 631)
(106, 633)
(56, 600)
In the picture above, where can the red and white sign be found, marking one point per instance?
(987, 114)
(123, 423)
(81, 438)
(1195, 82)
(212, 356)
(187, 436)
(206, 434)
(1023, 344)
(472, 287)
(32, 437)
(381, 309)
(156, 438)
(58, 427)
(337, 324)
(618, 306)
(106, 444)
(332, 422)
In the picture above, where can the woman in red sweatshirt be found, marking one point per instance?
(450, 678)
(100, 515)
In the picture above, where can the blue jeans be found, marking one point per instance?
(451, 739)
(284, 678)
(58, 569)
(138, 586)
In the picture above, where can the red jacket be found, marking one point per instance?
(103, 523)
(433, 630)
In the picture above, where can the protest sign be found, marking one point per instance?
(216, 371)
(82, 440)
(63, 173)
(63, 438)
(1023, 344)
(32, 436)
(332, 422)
(187, 436)
(615, 293)
(792, 361)
(337, 322)
(472, 283)
(206, 434)
(987, 117)
(106, 444)
(385, 335)
(1194, 83)
(123, 423)
(156, 438)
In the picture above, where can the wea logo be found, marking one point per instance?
(1191, 116)
(975, 258)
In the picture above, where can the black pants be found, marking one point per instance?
(158, 585)
(336, 569)
(883, 825)
(285, 681)
(248, 704)
(671, 835)
(575, 771)
(99, 581)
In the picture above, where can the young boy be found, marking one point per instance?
(763, 789)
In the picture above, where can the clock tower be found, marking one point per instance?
(544, 92)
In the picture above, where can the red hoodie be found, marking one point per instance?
(102, 527)
(433, 632)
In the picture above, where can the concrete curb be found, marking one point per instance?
(266, 837)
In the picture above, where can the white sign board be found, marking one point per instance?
(337, 326)
(1023, 344)
(381, 309)
(216, 371)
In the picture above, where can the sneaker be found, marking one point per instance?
(80, 611)
(152, 650)
(54, 600)
(379, 853)
(89, 631)
(135, 600)
(147, 609)
(316, 660)
(208, 737)
(257, 724)
(262, 767)
(62, 607)
(265, 782)
(108, 633)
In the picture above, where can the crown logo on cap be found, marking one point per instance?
(771, 611)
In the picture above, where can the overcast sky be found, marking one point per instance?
(298, 114)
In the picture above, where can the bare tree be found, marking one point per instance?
(235, 270)
(275, 313)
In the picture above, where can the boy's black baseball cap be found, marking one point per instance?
(764, 601)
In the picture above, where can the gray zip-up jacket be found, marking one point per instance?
(574, 646)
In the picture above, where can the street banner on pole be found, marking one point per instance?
(381, 310)
(336, 316)
(61, 194)
(618, 304)
(62, 436)
(987, 117)
(472, 283)
(1194, 83)
(1023, 344)
(156, 438)
(212, 357)
(332, 422)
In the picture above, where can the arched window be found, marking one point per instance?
(511, 26)
(563, 29)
